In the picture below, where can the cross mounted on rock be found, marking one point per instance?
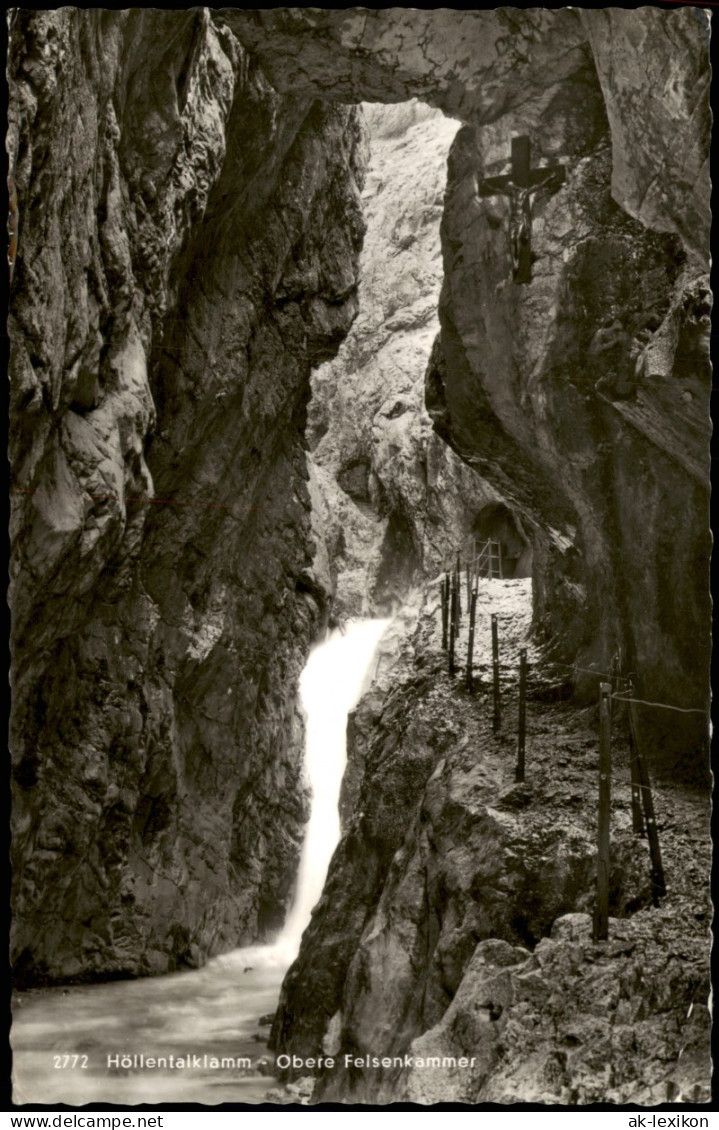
(519, 185)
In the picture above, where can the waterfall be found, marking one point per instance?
(336, 675)
(219, 1006)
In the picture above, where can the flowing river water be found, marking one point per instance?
(92, 1043)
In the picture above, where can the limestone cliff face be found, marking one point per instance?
(188, 246)
(396, 502)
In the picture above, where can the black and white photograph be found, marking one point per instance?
(359, 445)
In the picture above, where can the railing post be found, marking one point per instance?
(522, 714)
(637, 818)
(444, 586)
(470, 645)
(452, 622)
(458, 576)
(497, 714)
(601, 920)
(659, 887)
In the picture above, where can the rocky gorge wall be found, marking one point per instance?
(188, 191)
(456, 920)
(593, 422)
(456, 915)
(188, 245)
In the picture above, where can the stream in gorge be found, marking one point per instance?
(92, 1043)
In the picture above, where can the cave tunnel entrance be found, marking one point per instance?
(500, 541)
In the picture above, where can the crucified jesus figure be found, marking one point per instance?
(519, 185)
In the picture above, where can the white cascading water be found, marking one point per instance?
(336, 675)
(217, 1009)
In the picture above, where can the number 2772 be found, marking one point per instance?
(61, 1061)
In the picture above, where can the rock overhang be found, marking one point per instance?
(480, 66)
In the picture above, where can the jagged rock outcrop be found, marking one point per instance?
(456, 918)
(574, 1023)
(655, 84)
(188, 250)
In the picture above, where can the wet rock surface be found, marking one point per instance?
(188, 251)
(456, 918)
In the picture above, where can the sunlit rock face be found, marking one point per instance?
(395, 502)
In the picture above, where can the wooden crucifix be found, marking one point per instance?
(518, 185)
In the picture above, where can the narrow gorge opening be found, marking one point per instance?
(392, 499)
